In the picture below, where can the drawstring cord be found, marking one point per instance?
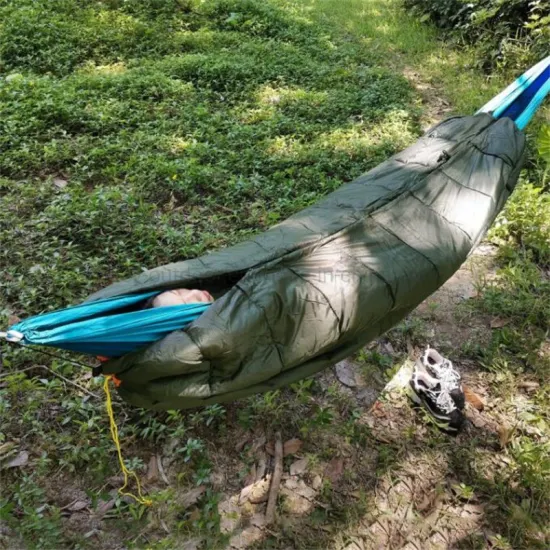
(114, 434)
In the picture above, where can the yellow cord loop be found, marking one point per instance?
(114, 434)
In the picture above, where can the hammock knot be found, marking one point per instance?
(13, 336)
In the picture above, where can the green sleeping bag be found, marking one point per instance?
(315, 288)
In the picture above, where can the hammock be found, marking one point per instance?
(316, 287)
(98, 329)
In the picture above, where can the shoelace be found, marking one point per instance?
(443, 400)
(449, 380)
(447, 375)
(441, 397)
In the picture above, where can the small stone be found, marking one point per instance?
(292, 446)
(17, 462)
(335, 469)
(348, 374)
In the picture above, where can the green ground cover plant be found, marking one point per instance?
(507, 33)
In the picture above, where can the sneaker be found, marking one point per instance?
(444, 371)
(436, 385)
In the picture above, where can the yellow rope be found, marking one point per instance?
(114, 434)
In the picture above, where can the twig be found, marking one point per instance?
(164, 526)
(275, 480)
(161, 470)
(61, 377)
(91, 393)
(17, 372)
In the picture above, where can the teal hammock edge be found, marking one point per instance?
(523, 97)
(99, 328)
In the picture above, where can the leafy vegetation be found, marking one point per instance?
(134, 133)
(510, 33)
(177, 128)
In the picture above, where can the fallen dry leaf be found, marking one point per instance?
(427, 502)
(477, 419)
(317, 482)
(378, 409)
(499, 322)
(529, 385)
(410, 347)
(292, 446)
(473, 398)
(161, 470)
(299, 498)
(298, 467)
(258, 520)
(504, 434)
(103, 507)
(388, 348)
(475, 509)
(17, 462)
(13, 320)
(247, 537)
(335, 469)
(256, 492)
(230, 515)
(192, 544)
(164, 526)
(245, 491)
(299, 487)
(296, 504)
(258, 443)
(195, 514)
(78, 505)
(242, 442)
(261, 468)
(192, 496)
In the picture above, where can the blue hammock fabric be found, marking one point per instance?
(97, 329)
(522, 98)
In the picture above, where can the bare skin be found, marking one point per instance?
(182, 296)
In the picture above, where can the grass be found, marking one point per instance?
(136, 133)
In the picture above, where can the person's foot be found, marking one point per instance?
(181, 296)
(436, 385)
